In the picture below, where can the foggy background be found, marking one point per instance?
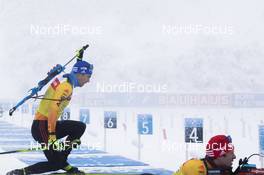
(135, 41)
(190, 47)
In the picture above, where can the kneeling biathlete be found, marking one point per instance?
(46, 129)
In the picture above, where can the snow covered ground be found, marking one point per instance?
(91, 160)
(160, 151)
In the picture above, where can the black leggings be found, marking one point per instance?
(56, 159)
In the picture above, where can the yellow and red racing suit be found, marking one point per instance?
(56, 98)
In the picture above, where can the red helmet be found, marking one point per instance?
(218, 145)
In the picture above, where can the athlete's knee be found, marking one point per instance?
(82, 127)
(77, 129)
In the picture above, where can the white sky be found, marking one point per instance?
(129, 43)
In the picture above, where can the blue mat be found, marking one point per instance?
(5, 123)
(26, 132)
(16, 136)
(16, 143)
(87, 151)
(133, 171)
(10, 129)
(7, 126)
(92, 161)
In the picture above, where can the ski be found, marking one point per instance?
(100, 174)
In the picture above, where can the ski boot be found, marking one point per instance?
(17, 172)
(73, 170)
